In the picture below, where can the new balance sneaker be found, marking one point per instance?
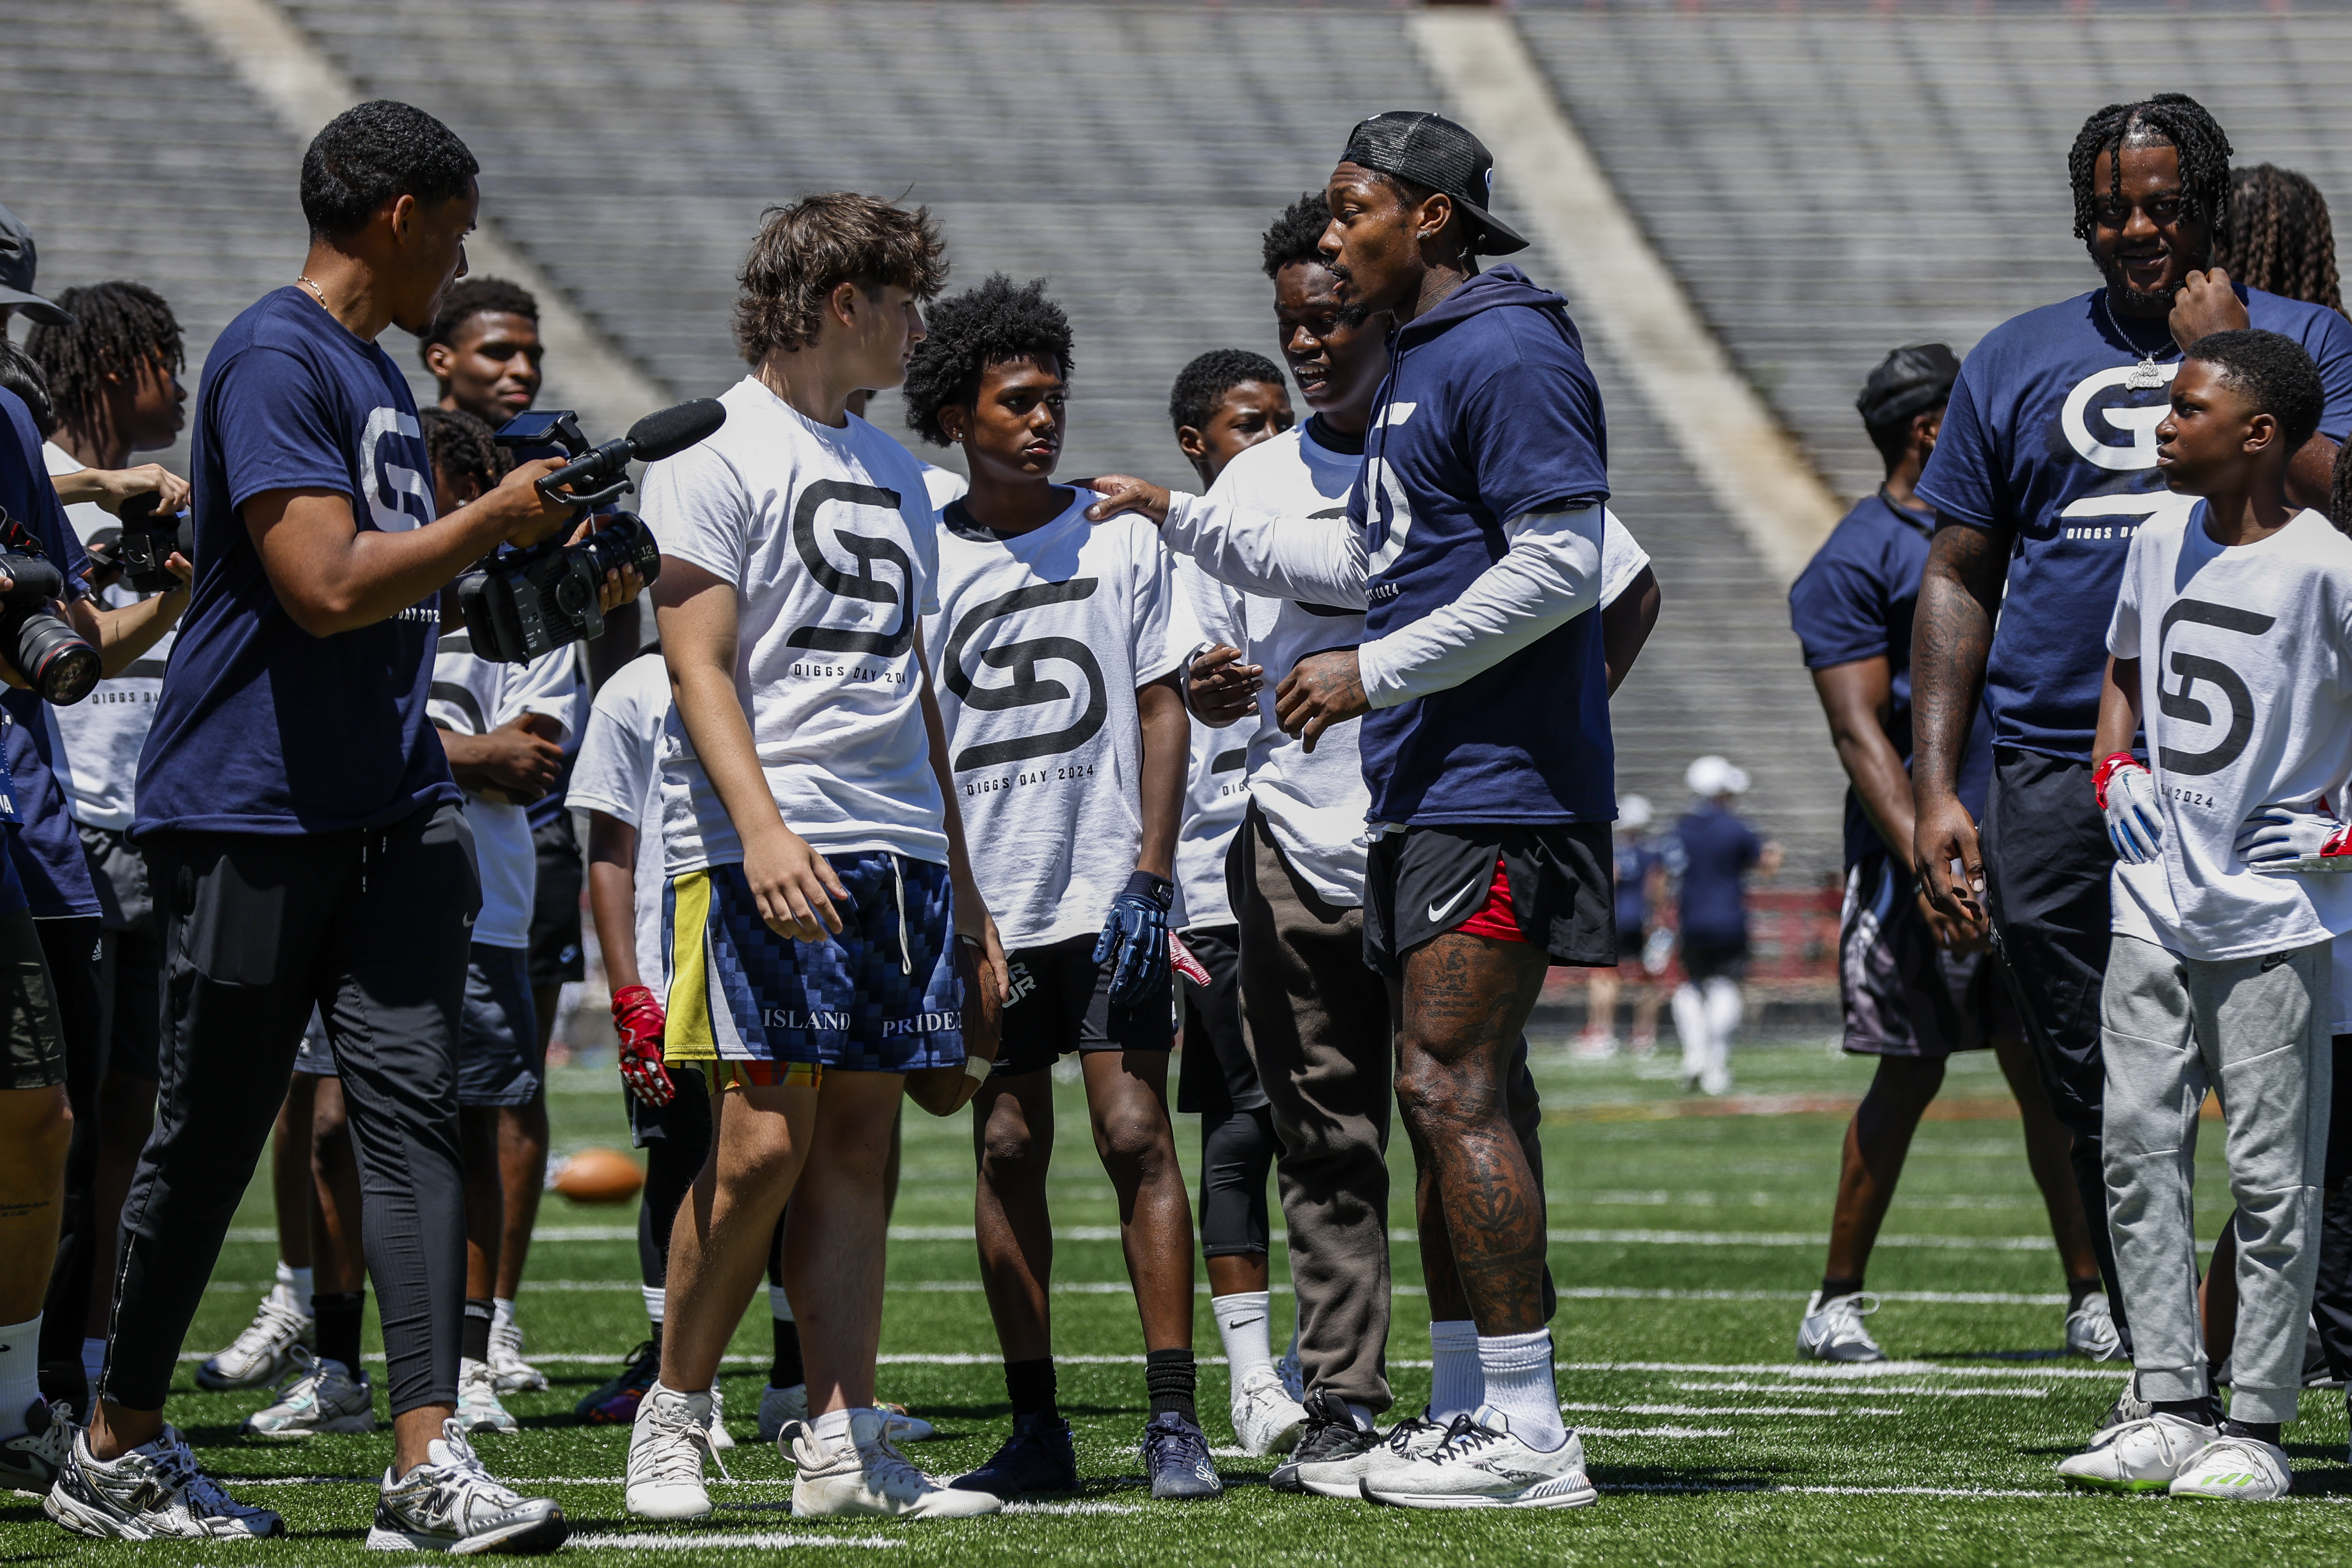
(1483, 1464)
(2142, 1456)
(478, 1409)
(450, 1503)
(861, 1474)
(514, 1375)
(1038, 1457)
(1330, 1452)
(2235, 1470)
(2091, 1328)
(2128, 1407)
(780, 1407)
(1414, 1437)
(153, 1492)
(1266, 1420)
(1176, 1460)
(616, 1404)
(29, 1461)
(317, 1396)
(721, 1439)
(260, 1355)
(1832, 1329)
(671, 1434)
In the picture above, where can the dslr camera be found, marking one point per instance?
(521, 603)
(145, 543)
(38, 645)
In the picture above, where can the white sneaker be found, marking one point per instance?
(515, 1375)
(721, 1439)
(780, 1407)
(1482, 1464)
(1414, 1437)
(2142, 1456)
(1832, 1329)
(863, 1474)
(317, 1396)
(1715, 1080)
(29, 1461)
(450, 1503)
(1266, 1419)
(154, 1492)
(2237, 1470)
(667, 1443)
(2091, 1328)
(260, 1354)
(478, 1409)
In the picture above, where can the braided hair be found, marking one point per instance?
(2169, 116)
(117, 329)
(2340, 491)
(20, 375)
(463, 447)
(2278, 238)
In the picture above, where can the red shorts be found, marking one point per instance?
(1494, 918)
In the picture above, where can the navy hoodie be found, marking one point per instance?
(1488, 412)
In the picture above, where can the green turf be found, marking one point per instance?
(1702, 1455)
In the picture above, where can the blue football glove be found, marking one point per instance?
(1135, 939)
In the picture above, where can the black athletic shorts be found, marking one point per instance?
(555, 950)
(686, 1117)
(1904, 996)
(1215, 1073)
(498, 1034)
(1714, 958)
(1061, 1003)
(32, 1036)
(1424, 881)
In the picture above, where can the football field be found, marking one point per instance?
(1685, 1236)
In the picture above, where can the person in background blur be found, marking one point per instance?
(1717, 851)
(2277, 236)
(1640, 888)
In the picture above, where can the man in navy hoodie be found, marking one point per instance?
(1472, 540)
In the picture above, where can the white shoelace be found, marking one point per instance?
(274, 1322)
(884, 1466)
(463, 1475)
(671, 1454)
(201, 1495)
(302, 1368)
(1846, 1312)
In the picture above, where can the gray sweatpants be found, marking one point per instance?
(2254, 1030)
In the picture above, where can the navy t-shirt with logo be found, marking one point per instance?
(50, 873)
(1715, 851)
(2047, 436)
(262, 727)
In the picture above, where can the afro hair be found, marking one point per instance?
(1297, 234)
(999, 321)
(1200, 385)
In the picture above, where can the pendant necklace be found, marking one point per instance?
(2148, 374)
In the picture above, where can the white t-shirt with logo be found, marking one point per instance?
(472, 695)
(1216, 782)
(1037, 647)
(618, 773)
(99, 737)
(2245, 659)
(829, 538)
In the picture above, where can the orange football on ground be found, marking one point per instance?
(598, 1177)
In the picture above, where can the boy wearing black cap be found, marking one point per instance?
(1473, 539)
(1917, 985)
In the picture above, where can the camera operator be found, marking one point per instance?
(306, 836)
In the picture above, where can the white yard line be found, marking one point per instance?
(1677, 1433)
(1729, 1409)
(1840, 1374)
(561, 1234)
(760, 1541)
(1817, 1387)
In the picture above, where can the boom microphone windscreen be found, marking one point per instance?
(665, 432)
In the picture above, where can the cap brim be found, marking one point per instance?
(1495, 237)
(32, 305)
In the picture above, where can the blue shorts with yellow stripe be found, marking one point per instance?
(751, 1005)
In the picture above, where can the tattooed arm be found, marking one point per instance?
(1951, 636)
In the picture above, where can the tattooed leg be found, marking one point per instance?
(1466, 998)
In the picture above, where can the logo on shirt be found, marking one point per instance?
(1385, 503)
(390, 483)
(2091, 431)
(1027, 688)
(2181, 702)
(858, 584)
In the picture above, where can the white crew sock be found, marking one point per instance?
(1519, 1384)
(20, 1374)
(1241, 1324)
(1459, 1385)
(832, 1427)
(655, 1296)
(779, 1306)
(1691, 1025)
(296, 1280)
(93, 1361)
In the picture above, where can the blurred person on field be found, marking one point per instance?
(1640, 890)
(1717, 851)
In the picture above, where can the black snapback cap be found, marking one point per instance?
(1909, 381)
(1431, 150)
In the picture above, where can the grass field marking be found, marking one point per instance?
(1066, 1508)
(1671, 1433)
(1867, 1370)
(1769, 1487)
(1121, 1287)
(1729, 1409)
(762, 1540)
(1867, 1389)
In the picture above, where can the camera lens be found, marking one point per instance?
(53, 660)
(622, 539)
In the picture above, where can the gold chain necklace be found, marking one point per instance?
(322, 293)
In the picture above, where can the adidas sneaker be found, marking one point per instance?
(2235, 1470)
(2143, 1456)
(1483, 1464)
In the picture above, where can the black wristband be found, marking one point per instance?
(1145, 885)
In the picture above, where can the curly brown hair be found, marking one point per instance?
(811, 247)
(2279, 238)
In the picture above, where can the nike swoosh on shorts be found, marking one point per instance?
(1439, 911)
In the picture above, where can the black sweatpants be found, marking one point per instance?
(70, 946)
(371, 929)
(2047, 860)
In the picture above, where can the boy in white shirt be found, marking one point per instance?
(818, 881)
(1069, 743)
(2235, 616)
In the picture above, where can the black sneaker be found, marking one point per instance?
(1037, 1458)
(1176, 1458)
(1331, 1435)
(616, 1404)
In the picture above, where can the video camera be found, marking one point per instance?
(525, 603)
(47, 652)
(146, 542)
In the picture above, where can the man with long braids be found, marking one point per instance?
(2278, 237)
(2045, 470)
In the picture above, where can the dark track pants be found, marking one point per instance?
(371, 929)
(70, 946)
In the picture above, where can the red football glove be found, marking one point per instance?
(638, 1019)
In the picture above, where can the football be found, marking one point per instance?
(597, 1176)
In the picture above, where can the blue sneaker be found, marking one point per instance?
(1037, 1458)
(1176, 1458)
